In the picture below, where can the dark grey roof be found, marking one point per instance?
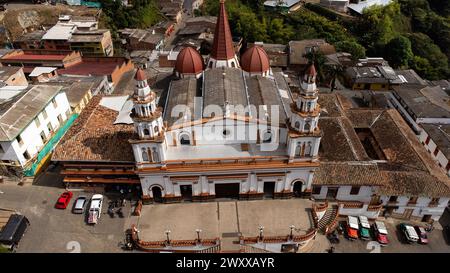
(424, 102)
(411, 77)
(440, 134)
(77, 92)
(182, 93)
(263, 91)
(25, 110)
(222, 86)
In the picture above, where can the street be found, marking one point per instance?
(53, 230)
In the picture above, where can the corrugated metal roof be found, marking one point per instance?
(37, 71)
(59, 32)
(25, 110)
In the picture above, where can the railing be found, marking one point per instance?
(374, 207)
(280, 239)
(157, 246)
(314, 216)
(351, 205)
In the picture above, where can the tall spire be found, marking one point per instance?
(223, 42)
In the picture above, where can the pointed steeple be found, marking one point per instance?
(223, 41)
(222, 53)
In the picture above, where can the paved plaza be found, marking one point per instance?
(217, 219)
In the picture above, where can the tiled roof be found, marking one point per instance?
(412, 184)
(347, 173)
(94, 137)
(407, 169)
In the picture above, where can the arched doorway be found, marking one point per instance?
(157, 194)
(297, 188)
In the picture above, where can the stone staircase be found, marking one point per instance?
(328, 218)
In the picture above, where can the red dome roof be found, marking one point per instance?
(189, 61)
(255, 60)
(140, 75)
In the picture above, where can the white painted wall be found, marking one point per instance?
(32, 142)
(430, 147)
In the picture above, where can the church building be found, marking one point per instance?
(230, 128)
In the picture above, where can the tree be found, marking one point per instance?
(352, 47)
(398, 52)
(423, 46)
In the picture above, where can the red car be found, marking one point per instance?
(64, 200)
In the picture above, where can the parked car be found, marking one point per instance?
(381, 233)
(352, 228)
(13, 231)
(95, 210)
(364, 228)
(64, 200)
(79, 205)
(423, 238)
(409, 232)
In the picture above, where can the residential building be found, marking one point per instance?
(284, 5)
(337, 5)
(70, 33)
(111, 67)
(43, 74)
(278, 53)
(357, 7)
(29, 121)
(426, 110)
(30, 59)
(298, 49)
(79, 95)
(372, 164)
(139, 39)
(372, 74)
(12, 76)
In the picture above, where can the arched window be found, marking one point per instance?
(155, 129)
(297, 124)
(233, 64)
(298, 149)
(143, 110)
(210, 64)
(307, 126)
(146, 132)
(185, 139)
(155, 155)
(308, 149)
(144, 155)
(309, 107)
(267, 137)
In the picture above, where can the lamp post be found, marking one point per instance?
(261, 229)
(292, 229)
(198, 234)
(167, 235)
